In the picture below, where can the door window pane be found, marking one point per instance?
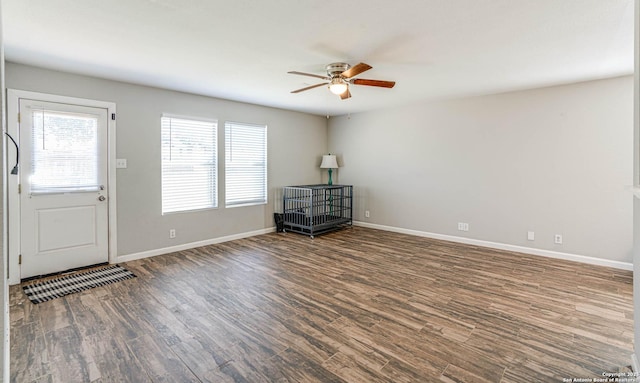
(65, 152)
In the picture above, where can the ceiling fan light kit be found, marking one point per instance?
(340, 76)
(338, 86)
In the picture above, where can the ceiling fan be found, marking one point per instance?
(340, 76)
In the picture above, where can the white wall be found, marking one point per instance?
(296, 142)
(4, 287)
(636, 201)
(555, 160)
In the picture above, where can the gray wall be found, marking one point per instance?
(296, 142)
(555, 160)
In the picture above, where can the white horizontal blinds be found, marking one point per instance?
(245, 164)
(64, 153)
(189, 164)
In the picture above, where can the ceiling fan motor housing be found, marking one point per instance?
(335, 69)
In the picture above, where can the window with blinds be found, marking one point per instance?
(245, 164)
(189, 164)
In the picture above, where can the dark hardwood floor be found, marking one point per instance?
(358, 305)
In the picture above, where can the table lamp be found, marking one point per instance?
(329, 162)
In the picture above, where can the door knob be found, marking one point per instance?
(101, 198)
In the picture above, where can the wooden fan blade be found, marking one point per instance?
(380, 83)
(309, 87)
(345, 95)
(310, 74)
(356, 70)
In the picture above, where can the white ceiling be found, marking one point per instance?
(242, 49)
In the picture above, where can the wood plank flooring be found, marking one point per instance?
(357, 305)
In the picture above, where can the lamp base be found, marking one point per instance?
(330, 180)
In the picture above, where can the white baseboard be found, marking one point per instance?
(504, 246)
(191, 245)
(635, 366)
(444, 237)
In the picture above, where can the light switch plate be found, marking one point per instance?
(121, 163)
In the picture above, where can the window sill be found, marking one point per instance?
(246, 204)
(189, 211)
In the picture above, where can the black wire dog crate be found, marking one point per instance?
(316, 209)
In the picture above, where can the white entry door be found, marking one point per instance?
(63, 196)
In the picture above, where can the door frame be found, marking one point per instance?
(13, 197)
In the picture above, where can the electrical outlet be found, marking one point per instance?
(366, 214)
(531, 236)
(557, 239)
(463, 226)
(172, 233)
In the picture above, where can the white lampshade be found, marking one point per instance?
(329, 162)
(337, 86)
